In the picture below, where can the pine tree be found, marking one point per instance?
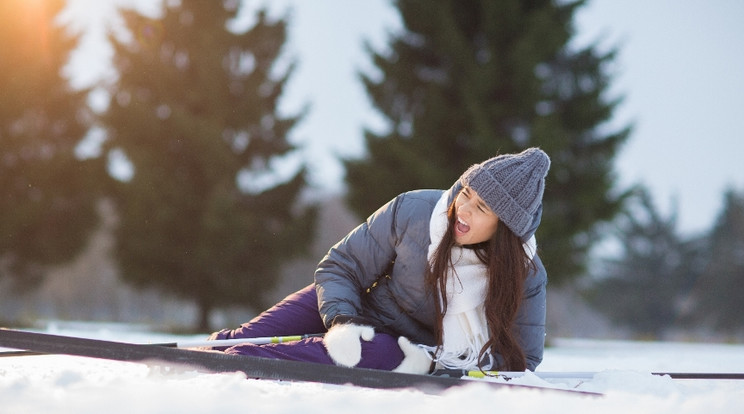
(194, 111)
(47, 194)
(467, 80)
(645, 286)
(717, 294)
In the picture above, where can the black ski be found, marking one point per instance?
(253, 367)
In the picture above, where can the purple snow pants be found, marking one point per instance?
(298, 314)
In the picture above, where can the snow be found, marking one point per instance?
(64, 384)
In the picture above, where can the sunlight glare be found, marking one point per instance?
(35, 19)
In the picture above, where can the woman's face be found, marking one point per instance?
(475, 222)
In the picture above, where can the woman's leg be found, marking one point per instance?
(297, 314)
(382, 352)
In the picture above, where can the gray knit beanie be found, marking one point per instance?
(512, 185)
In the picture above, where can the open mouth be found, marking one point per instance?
(461, 227)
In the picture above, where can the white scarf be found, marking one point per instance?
(464, 326)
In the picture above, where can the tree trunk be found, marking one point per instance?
(203, 323)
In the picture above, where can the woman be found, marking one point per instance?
(432, 279)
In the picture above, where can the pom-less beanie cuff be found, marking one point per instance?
(512, 185)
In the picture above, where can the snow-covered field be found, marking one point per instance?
(61, 384)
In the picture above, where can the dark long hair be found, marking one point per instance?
(508, 266)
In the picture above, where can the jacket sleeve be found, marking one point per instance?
(530, 322)
(355, 263)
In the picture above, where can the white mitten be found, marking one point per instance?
(344, 342)
(416, 359)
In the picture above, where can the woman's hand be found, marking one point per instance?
(416, 359)
(344, 342)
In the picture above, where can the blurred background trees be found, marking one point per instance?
(716, 295)
(646, 284)
(204, 215)
(206, 188)
(47, 192)
(661, 281)
(466, 81)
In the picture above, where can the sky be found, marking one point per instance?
(678, 70)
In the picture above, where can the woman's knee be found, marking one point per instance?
(382, 352)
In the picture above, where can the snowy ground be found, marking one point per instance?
(60, 384)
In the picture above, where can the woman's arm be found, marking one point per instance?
(530, 322)
(355, 263)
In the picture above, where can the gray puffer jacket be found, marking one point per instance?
(377, 273)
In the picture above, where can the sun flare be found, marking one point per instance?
(34, 18)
